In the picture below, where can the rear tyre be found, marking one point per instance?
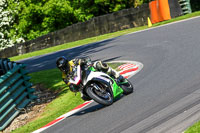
(104, 98)
(127, 87)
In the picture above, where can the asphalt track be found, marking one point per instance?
(167, 89)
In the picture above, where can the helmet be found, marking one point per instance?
(62, 64)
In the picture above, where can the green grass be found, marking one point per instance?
(65, 101)
(194, 129)
(194, 14)
(52, 79)
(56, 108)
(98, 38)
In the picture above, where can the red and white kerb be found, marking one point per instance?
(127, 70)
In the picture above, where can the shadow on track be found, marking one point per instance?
(95, 107)
(47, 61)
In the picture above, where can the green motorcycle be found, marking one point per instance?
(100, 86)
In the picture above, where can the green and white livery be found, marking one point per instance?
(100, 86)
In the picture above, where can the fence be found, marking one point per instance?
(185, 6)
(15, 91)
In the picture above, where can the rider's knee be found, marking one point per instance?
(101, 66)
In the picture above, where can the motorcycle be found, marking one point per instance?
(99, 86)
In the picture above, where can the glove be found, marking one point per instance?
(66, 81)
(73, 88)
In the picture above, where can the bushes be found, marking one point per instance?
(33, 18)
(8, 33)
(195, 5)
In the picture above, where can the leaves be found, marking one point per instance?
(195, 5)
(30, 19)
(57, 15)
(6, 19)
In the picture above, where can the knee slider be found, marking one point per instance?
(102, 66)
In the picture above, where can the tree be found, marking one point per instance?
(195, 5)
(5, 21)
(30, 19)
(38, 17)
(57, 14)
(86, 9)
(7, 32)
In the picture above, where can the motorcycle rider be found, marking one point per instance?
(66, 67)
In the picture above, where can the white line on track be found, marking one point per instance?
(163, 25)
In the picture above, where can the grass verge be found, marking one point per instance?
(52, 79)
(194, 129)
(98, 38)
(65, 101)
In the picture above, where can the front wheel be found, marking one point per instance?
(100, 94)
(127, 87)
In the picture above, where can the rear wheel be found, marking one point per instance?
(100, 94)
(127, 87)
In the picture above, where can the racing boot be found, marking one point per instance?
(84, 97)
(120, 79)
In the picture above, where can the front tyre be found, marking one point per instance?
(100, 94)
(127, 87)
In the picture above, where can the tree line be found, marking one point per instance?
(22, 20)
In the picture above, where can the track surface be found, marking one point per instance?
(167, 89)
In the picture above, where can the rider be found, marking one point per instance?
(66, 67)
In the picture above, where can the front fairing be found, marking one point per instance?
(77, 77)
(102, 77)
(117, 90)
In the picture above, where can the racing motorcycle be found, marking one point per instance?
(99, 86)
